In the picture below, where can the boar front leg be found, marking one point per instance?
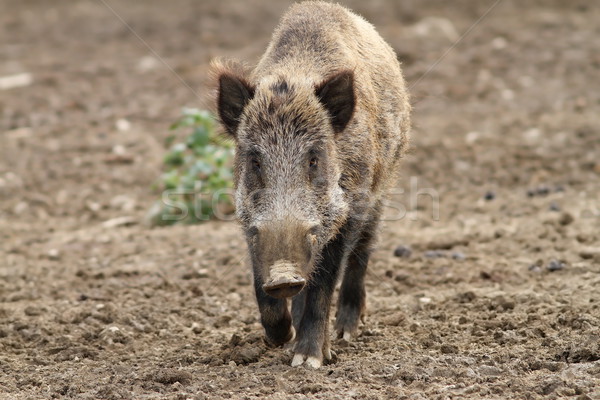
(352, 298)
(298, 304)
(274, 316)
(351, 301)
(312, 344)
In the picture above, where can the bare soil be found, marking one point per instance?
(498, 299)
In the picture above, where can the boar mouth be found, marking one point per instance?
(285, 280)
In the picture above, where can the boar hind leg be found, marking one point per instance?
(312, 343)
(274, 316)
(352, 298)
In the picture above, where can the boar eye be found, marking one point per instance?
(313, 162)
(255, 164)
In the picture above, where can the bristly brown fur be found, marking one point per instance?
(316, 40)
(320, 124)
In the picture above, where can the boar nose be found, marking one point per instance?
(285, 280)
(286, 254)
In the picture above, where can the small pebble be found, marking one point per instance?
(542, 190)
(458, 256)
(53, 254)
(434, 254)
(119, 150)
(123, 125)
(554, 206)
(33, 311)
(15, 81)
(555, 265)
(534, 268)
(402, 251)
(489, 195)
(196, 328)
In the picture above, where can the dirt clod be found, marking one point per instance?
(170, 376)
(395, 319)
(566, 219)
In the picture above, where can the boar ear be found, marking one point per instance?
(337, 95)
(233, 94)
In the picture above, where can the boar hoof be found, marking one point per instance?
(347, 319)
(284, 281)
(346, 334)
(313, 361)
(310, 361)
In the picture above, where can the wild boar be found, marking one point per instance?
(320, 125)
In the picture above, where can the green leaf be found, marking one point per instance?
(171, 179)
(199, 138)
(198, 166)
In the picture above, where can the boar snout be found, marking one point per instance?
(286, 256)
(285, 280)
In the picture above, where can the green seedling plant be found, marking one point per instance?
(197, 182)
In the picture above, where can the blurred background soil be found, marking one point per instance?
(498, 298)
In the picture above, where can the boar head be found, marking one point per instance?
(287, 170)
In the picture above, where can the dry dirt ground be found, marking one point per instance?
(499, 298)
